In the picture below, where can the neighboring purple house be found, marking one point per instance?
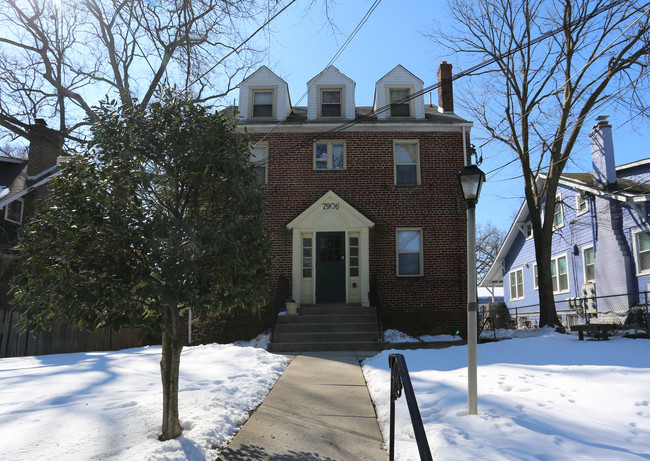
(601, 242)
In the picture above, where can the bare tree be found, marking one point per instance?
(489, 239)
(538, 93)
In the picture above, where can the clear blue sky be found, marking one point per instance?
(301, 46)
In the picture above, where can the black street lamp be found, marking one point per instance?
(471, 179)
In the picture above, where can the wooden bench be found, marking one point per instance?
(599, 330)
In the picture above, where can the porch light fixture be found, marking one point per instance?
(471, 179)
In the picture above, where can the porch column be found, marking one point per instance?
(296, 266)
(364, 265)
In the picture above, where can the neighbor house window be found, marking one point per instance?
(307, 257)
(398, 108)
(517, 284)
(529, 230)
(14, 211)
(642, 240)
(535, 277)
(259, 158)
(263, 103)
(409, 252)
(330, 102)
(354, 256)
(588, 264)
(329, 155)
(560, 274)
(582, 205)
(407, 162)
(558, 216)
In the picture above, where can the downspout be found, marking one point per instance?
(464, 147)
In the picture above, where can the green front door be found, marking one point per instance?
(330, 267)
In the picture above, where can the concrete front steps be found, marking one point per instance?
(327, 327)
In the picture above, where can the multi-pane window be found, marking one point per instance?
(409, 252)
(582, 205)
(558, 216)
(529, 230)
(397, 107)
(407, 159)
(260, 160)
(643, 251)
(517, 284)
(14, 211)
(588, 264)
(535, 277)
(560, 274)
(330, 103)
(329, 155)
(263, 103)
(307, 258)
(354, 256)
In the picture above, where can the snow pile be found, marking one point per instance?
(396, 336)
(108, 405)
(548, 396)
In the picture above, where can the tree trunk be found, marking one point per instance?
(172, 345)
(547, 312)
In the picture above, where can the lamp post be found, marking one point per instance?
(471, 179)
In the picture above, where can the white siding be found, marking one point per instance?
(264, 78)
(399, 77)
(331, 77)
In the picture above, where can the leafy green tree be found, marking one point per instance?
(162, 214)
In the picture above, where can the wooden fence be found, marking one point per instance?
(63, 338)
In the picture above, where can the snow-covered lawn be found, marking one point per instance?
(108, 405)
(544, 397)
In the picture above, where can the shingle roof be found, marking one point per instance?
(623, 185)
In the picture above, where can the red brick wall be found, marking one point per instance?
(433, 303)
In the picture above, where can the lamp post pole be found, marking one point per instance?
(471, 179)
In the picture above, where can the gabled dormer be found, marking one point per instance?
(392, 88)
(331, 96)
(264, 96)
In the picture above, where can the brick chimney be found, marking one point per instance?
(446, 88)
(44, 148)
(602, 154)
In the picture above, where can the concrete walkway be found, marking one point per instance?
(319, 409)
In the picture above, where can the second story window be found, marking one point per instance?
(262, 103)
(329, 155)
(330, 103)
(397, 108)
(558, 216)
(14, 211)
(259, 159)
(407, 163)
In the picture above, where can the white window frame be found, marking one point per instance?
(401, 142)
(637, 255)
(555, 260)
(580, 198)
(303, 261)
(535, 277)
(558, 202)
(265, 165)
(341, 90)
(528, 227)
(518, 296)
(584, 264)
(330, 144)
(273, 102)
(22, 210)
(408, 88)
(420, 251)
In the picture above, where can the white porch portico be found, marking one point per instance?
(330, 262)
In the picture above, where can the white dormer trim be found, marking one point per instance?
(264, 80)
(330, 79)
(399, 78)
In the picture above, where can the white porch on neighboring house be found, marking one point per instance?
(330, 262)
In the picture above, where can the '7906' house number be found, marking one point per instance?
(330, 206)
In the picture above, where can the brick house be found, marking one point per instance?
(360, 192)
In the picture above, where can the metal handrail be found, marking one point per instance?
(280, 297)
(375, 300)
(399, 378)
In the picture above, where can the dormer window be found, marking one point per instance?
(397, 108)
(262, 103)
(330, 102)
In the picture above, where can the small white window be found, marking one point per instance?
(14, 211)
(262, 103)
(560, 274)
(642, 250)
(307, 257)
(330, 102)
(399, 107)
(329, 155)
(517, 284)
(409, 252)
(558, 216)
(407, 162)
(535, 277)
(588, 264)
(582, 204)
(529, 230)
(354, 256)
(259, 158)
